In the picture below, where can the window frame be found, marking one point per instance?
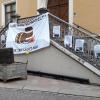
(11, 12)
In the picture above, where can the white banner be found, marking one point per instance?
(29, 38)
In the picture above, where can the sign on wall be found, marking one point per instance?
(29, 38)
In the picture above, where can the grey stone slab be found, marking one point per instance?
(13, 94)
(37, 85)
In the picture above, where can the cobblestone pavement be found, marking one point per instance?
(40, 88)
(13, 94)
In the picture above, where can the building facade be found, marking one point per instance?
(81, 12)
(24, 8)
(86, 14)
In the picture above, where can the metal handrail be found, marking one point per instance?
(73, 26)
(89, 40)
(4, 29)
(3, 32)
(88, 31)
(25, 20)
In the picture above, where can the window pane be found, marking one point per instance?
(13, 7)
(7, 8)
(10, 10)
(12, 13)
(8, 17)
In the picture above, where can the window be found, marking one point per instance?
(10, 9)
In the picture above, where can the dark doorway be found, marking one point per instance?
(59, 8)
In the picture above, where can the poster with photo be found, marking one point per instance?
(29, 38)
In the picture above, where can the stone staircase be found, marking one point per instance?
(86, 57)
(88, 54)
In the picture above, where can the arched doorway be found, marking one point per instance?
(59, 8)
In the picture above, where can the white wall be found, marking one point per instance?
(51, 60)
